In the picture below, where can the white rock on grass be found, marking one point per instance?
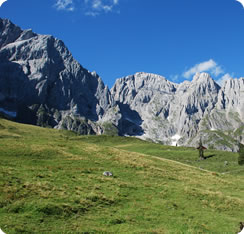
(107, 173)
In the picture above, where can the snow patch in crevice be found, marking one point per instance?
(175, 139)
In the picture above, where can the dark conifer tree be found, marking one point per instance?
(241, 154)
(201, 148)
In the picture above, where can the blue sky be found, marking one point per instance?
(172, 38)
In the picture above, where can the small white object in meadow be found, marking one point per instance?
(107, 173)
(241, 232)
(2, 1)
(1, 232)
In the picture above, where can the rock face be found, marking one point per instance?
(225, 123)
(45, 85)
(41, 83)
(182, 113)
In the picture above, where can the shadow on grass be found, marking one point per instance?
(209, 156)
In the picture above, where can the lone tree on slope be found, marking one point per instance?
(241, 154)
(201, 148)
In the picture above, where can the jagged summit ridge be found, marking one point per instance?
(41, 83)
(171, 111)
(39, 70)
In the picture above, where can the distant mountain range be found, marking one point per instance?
(42, 84)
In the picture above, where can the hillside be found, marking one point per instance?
(51, 181)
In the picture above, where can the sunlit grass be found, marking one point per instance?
(51, 182)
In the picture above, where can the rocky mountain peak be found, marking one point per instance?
(233, 95)
(139, 84)
(39, 74)
(202, 77)
(9, 32)
(234, 84)
(41, 83)
(26, 35)
(205, 79)
(168, 111)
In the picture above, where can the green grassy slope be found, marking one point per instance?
(51, 182)
(216, 159)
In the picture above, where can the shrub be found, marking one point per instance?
(110, 129)
(241, 154)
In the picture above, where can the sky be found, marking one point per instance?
(116, 38)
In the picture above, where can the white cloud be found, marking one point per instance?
(67, 5)
(90, 7)
(97, 4)
(208, 66)
(91, 13)
(174, 78)
(96, 7)
(224, 78)
(217, 70)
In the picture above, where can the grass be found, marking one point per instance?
(216, 159)
(51, 182)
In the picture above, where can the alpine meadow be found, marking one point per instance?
(52, 182)
(121, 117)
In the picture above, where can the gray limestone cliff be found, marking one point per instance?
(225, 123)
(183, 113)
(41, 83)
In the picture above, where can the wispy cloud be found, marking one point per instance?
(224, 78)
(174, 78)
(208, 66)
(89, 7)
(67, 5)
(97, 7)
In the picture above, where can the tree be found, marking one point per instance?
(201, 148)
(241, 154)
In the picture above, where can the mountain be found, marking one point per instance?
(183, 113)
(42, 84)
(226, 120)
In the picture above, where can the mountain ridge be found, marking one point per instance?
(180, 111)
(44, 85)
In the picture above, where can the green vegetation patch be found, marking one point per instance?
(110, 129)
(52, 182)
